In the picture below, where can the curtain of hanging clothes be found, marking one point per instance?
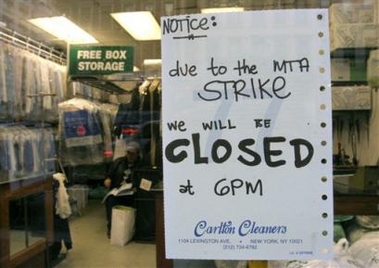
(24, 77)
(22, 149)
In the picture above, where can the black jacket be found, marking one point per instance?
(121, 170)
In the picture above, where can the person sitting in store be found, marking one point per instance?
(120, 172)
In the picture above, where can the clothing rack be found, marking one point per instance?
(24, 42)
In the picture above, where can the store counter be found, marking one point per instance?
(20, 245)
(161, 260)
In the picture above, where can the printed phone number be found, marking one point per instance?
(239, 247)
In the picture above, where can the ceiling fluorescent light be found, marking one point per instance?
(221, 10)
(152, 62)
(63, 29)
(141, 25)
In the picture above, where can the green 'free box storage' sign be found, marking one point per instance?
(100, 60)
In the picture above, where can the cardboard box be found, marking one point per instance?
(351, 98)
(354, 35)
(349, 69)
(365, 178)
(341, 183)
(340, 69)
(373, 68)
(352, 13)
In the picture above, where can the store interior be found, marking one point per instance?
(38, 95)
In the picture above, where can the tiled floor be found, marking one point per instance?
(92, 249)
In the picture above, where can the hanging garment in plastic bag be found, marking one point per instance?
(123, 225)
(119, 148)
(79, 194)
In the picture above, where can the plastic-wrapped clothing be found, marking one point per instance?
(150, 105)
(3, 87)
(368, 222)
(18, 62)
(24, 150)
(360, 226)
(80, 132)
(45, 86)
(79, 122)
(4, 149)
(62, 205)
(29, 86)
(9, 74)
(49, 150)
(107, 115)
(24, 74)
(365, 251)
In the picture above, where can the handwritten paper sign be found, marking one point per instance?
(247, 135)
